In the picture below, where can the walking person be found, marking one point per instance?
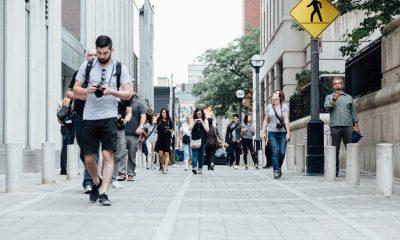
(150, 142)
(165, 129)
(78, 106)
(276, 123)
(67, 132)
(212, 142)
(124, 116)
(343, 117)
(248, 132)
(103, 86)
(184, 140)
(199, 129)
(232, 138)
(133, 131)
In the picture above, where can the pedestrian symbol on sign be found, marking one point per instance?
(317, 5)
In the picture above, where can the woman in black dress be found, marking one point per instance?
(163, 144)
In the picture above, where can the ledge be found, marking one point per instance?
(379, 98)
(302, 123)
(391, 26)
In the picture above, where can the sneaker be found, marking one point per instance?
(247, 168)
(194, 171)
(121, 178)
(153, 167)
(200, 171)
(88, 189)
(130, 178)
(63, 172)
(212, 166)
(257, 167)
(280, 172)
(236, 167)
(147, 167)
(276, 175)
(94, 194)
(103, 200)
(116, 185)
(173, 165)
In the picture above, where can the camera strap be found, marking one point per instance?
(90, 65)
(276, 114)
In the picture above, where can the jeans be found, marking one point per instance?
(339, 133)
(87, 179)
(278, 148)
(132, 146)
(234, 151)
(120, 154)
(187, 152)
(198, 156)
(68, 138)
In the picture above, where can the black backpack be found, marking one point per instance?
(89, 67)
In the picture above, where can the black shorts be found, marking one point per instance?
(102, 131)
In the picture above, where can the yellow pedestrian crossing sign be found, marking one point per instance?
(314, 15)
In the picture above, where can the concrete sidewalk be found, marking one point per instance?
(220, 204)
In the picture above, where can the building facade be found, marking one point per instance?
(251, 15)
(146, 60)
(195, 73)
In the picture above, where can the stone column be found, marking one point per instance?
(15, 70)
(300, 157)
(72, 161)
(330, 162)
(290, 157)
(384, 169)
(14, 166)
(353, 164)
(48, 163)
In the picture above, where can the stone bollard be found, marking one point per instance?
(384, 169)
(72, 161)
(48, 163)
(290, 157)
(330, 162)
(300, 157)
(353, 164)
(14, 155)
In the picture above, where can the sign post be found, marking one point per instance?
(315, 16)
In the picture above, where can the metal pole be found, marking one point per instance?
(314, 80)
(258, 119)
(240, 110)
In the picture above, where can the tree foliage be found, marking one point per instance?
(227, 70)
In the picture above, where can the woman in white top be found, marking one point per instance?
(151, 140)
(276, 123)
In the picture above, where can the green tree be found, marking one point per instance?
(378, 14)
(227, 70)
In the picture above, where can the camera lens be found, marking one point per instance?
(99, 92)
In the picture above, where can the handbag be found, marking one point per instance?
(64, 114)
(195, 144)
(355, 137)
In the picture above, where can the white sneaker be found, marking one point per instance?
(236, 167)
(116, 185)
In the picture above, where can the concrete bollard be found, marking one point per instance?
(48, 163)
(290, 157)
(384, 169)
(330, 163)
(353, 164)
(72, 161)
(14, 155)
(300, 157)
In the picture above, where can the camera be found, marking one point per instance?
(279, 125)
(99, 91)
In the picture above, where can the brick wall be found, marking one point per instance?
(251, 14)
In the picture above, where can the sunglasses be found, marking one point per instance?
(103, 75)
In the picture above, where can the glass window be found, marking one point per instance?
(71, 17)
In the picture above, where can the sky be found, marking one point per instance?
(184, 29)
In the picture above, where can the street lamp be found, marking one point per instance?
(257, 62)
(240, 96)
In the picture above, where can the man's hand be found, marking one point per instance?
(91, 89)
(336, 95)
(65, 102)
(356, 129)
(139, 131)
(107, 91)
(287, 137)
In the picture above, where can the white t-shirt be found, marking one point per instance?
(105, 106)
(273, 120)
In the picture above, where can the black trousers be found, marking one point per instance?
(234, 153)
(338, 134)
(68, 138)
(248, 147)
(268, 154)
(210, 154)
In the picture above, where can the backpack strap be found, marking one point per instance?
(89, 67)
(118, 74)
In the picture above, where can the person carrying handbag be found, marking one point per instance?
(199, 129)
(276, 121)
(247, 133)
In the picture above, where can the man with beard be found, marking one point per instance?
(343, 117)
(100, 86)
